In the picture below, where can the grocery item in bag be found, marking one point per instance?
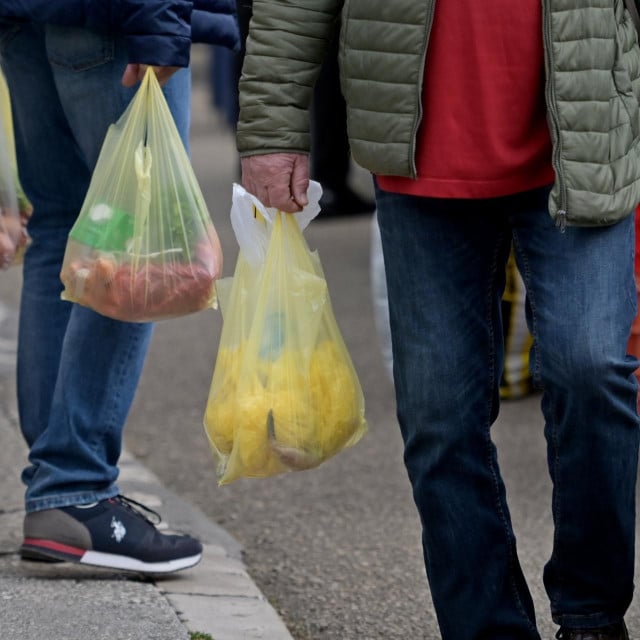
(143, 247)
(285, 395)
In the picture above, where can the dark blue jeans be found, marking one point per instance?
(445, 265)
(77, 370)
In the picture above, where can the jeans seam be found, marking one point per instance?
(537, 379)
(498, 502)
(555, 503)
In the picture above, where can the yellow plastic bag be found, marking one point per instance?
(143, 247)
(15, 208)
(284, 395)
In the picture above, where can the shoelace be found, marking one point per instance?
(139, 509)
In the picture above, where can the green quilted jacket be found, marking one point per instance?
(592, 91)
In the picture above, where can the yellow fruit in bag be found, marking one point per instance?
(320, 416)
(251, 455)
(335, 398)
(300, 420)
(284, 394)
(220, 418)
(292, 428)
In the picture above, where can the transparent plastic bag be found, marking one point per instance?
(284, 395)
(144, 246)
(15, 208)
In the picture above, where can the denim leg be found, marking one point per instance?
(77, 370)
(582, 301)
(445, 264)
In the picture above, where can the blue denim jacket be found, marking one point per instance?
(158, 32)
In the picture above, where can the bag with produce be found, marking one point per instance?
(284, 395)
(15, 209)
(144, 246)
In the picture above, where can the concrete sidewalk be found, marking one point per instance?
(72, 602)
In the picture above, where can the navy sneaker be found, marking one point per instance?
(112, 533)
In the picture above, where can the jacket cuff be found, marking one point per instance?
(158, 50)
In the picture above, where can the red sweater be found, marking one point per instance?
(484, 131)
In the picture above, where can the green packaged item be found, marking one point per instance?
(104, 228)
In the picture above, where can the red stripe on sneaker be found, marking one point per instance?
(54, 546)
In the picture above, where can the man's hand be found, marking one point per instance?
(135, 72)
(278, 180)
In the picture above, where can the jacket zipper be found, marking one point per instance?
(552, 119)
(416, 126)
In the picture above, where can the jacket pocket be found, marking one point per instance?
(78, 49)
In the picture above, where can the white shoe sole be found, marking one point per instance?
(112, 561)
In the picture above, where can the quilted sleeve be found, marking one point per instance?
(285, 48)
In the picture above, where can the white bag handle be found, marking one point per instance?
(252, 231)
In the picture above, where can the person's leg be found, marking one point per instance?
(445, 262)
(581, 302)
(77, 370)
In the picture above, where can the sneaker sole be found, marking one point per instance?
(48, 550)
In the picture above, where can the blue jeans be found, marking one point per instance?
(77, 371)
(445, 266)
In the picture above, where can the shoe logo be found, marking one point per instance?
(119, 531)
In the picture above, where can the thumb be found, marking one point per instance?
(300, 179)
